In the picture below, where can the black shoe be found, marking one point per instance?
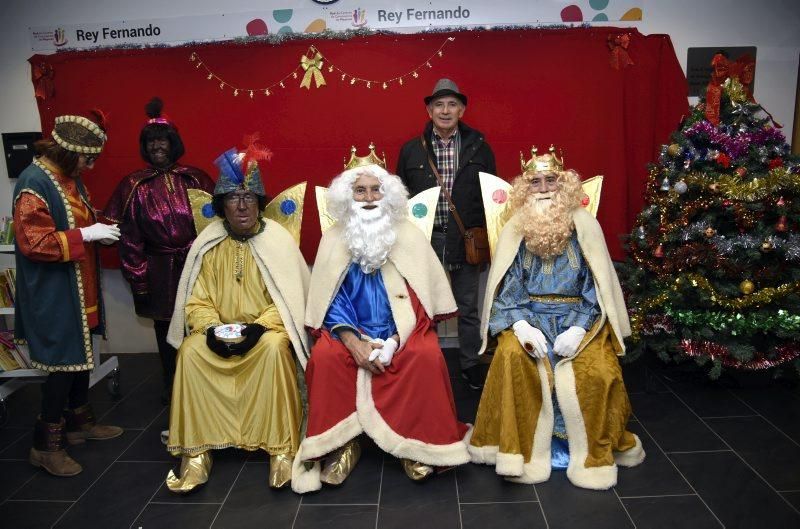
(474, 377)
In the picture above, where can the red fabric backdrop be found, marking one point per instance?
(525, 87)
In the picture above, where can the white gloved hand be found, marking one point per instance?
(385, 353)
(103, 233)
(567, 342)
(531, 339)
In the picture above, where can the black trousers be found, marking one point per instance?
(61, 389)
(167, 353)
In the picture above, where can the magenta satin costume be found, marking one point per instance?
(155, 217)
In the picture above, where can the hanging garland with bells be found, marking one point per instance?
(311, 66)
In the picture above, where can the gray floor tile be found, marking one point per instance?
(670, 513)
(673, 426)
(567, 506)
(336, 517)
(405, 503)
(655, 476)
(31, 514)
(736, 495)
(117, 498)
(252, 504)
(171, 515)
(764, 448)
(506, 515)
(480, 483)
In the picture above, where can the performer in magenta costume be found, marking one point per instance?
(154, 214)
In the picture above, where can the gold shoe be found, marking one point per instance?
(195, 471)
(340, 463)
(417, 471)
(280, 470)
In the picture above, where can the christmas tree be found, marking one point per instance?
(714, 258)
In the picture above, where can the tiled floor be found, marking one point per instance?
(725, 455)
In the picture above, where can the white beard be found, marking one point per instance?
(369, 234)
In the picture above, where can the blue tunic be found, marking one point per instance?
(361, 305)
(552, 295)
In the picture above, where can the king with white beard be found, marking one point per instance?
(376, 368)
(554, 396)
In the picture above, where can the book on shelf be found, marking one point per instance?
(6, 230)
(12, 355)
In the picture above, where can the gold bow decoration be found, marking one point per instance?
(313, 68)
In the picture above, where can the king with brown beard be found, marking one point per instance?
(554, 396)
(376, 368)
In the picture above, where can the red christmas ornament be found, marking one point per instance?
(726, 203)
(724, 160)
(781, 225)
(741, 171)
(659, 251)
(780, 202)
(775, 163)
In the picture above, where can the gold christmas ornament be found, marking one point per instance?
(710, 232)
(674, 150)
(747, 287)
(767, 246)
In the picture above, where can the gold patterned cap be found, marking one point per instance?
(542, 164)
(362, 161)
(78, 134)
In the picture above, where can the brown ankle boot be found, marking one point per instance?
(48, 450)
(81, 426)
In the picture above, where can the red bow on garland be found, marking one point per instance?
(618, 44)
(43, 80)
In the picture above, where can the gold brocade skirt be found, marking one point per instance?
(250, 402)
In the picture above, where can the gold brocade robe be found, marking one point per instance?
(250, 402)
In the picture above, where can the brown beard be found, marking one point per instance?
(546, 230)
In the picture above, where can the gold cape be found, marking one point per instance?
(514, 424)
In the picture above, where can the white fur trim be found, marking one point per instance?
(597, 478)
(331, 439)
(632, 456)
(508, 464)
(391, 442)
(483, 455)
(305, 479)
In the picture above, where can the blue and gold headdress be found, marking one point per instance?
(239, 170)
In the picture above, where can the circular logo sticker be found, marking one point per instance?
(208, 210)
(500, 196)
(419, 210)
(288, 207)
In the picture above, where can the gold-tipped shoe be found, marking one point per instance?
(340, 463)
(280, 470)
(417, 471)
(195, 471)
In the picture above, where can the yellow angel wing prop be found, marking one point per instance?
(202, 210)
(494, 191)
(421, 209)
(287, 209)
(325, 219)
(592, 187)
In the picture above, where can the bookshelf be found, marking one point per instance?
(11, 381)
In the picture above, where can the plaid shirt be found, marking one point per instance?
(446, 155)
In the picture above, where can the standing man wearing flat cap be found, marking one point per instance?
(458, 153)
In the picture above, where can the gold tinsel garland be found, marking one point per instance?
(311, 66)
(764, 296)
(733, 187)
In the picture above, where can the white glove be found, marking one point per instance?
(531, 339)
(567, 342)
(385, 353)
(103, 233)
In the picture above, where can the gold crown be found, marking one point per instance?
(540, 164)
(370, 159)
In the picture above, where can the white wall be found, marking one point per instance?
(770, 25)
